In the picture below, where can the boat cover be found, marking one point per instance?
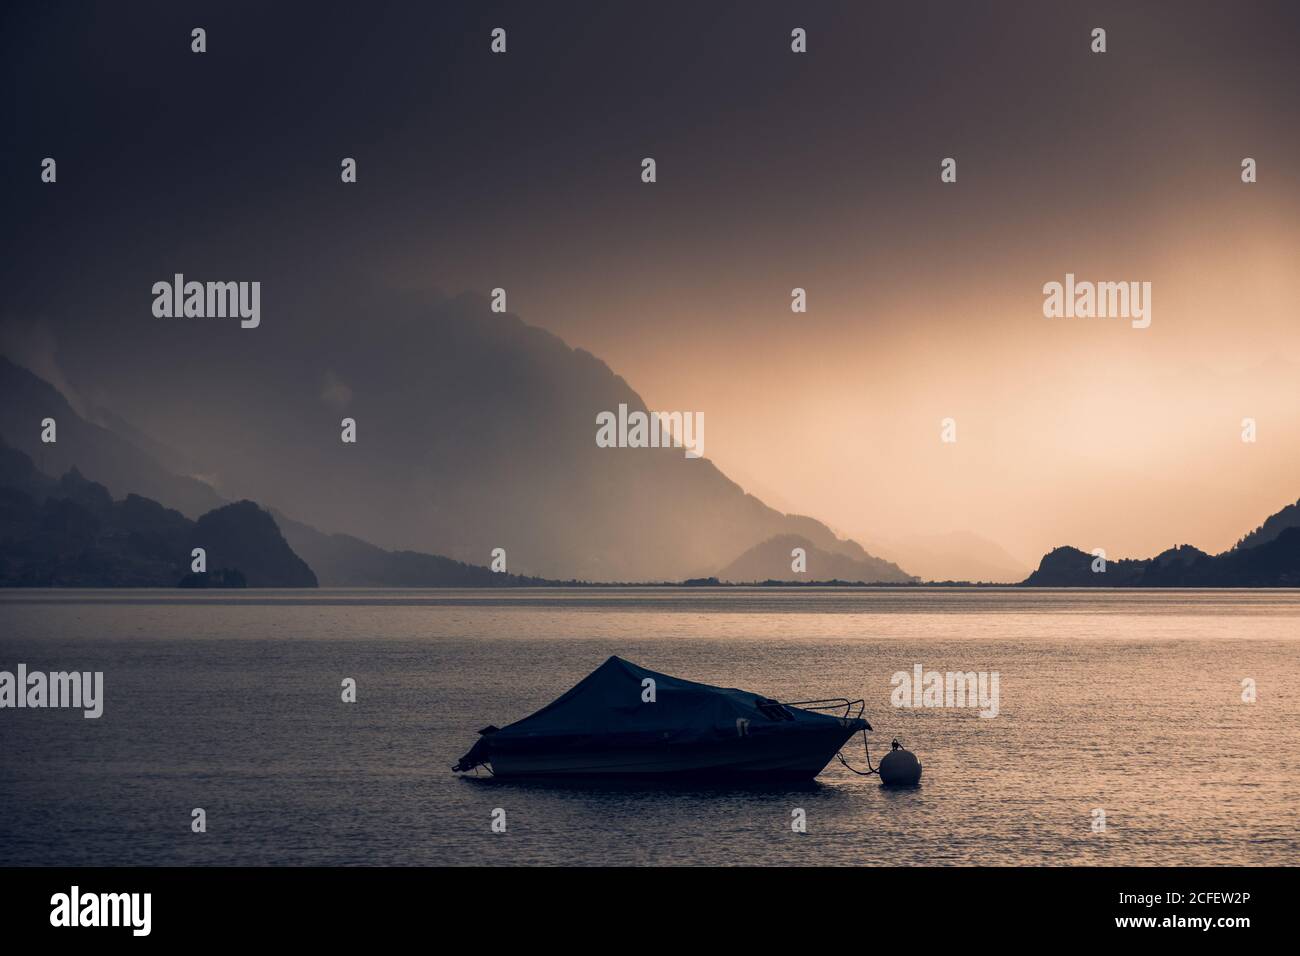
(607, 708)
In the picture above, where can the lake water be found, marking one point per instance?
(1127, 702)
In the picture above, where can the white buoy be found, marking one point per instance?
(899, 768)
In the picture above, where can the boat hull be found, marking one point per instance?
(789, 756)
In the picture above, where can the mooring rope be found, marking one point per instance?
(865, 749)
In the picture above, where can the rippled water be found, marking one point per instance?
(1126, 701)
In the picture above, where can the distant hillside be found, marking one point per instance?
(112, 460)
(1288, 517)
(1267, 557)
(71, 533)
(341, 560)
(241, 535)
(475, 431)
(771, 560)
(124, 459)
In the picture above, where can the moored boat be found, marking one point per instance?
(623, 720)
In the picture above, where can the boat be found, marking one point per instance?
(624, 721)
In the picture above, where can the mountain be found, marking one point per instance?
(243, 536)
(474, 431)
(130, 458)
(1267, 557)
(341, 560)
(771, 560)
(72, 533)
(1273, 564)
(1274, 525)
(1068, 567)
(115, 462)
(956, 556)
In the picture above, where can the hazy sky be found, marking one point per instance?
(775, 170)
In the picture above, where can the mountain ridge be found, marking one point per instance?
(475, 431)
(71, 532)
(114, 461)
(771, 560)
(1269, 556)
